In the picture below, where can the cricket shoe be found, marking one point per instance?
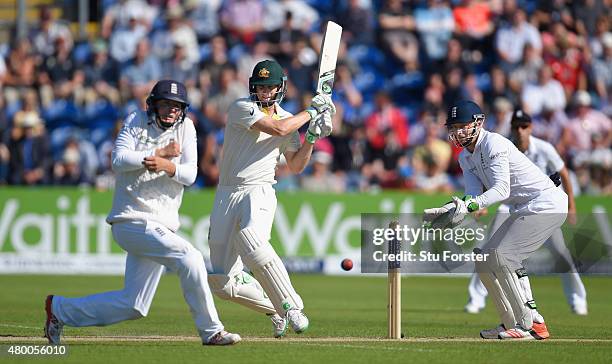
(492, 333)
(223, 338)
(472, 307)
(538, 331)
(53, 326)
(580, 310)
(280, 325)
(297, 320)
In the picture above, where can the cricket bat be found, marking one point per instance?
(328, 57)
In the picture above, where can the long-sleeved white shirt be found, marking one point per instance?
(502, 170)
(144, 195)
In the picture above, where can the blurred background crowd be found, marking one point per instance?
(401, 64)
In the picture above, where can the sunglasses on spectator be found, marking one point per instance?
(519, 126)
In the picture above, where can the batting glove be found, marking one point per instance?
(319, 104)
(325, 123)
(314, 131)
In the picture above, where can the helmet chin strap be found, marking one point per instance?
(467, 140)
(167, 126)
(263, 103)
(277, 98)
(178, 119)
(266, 103)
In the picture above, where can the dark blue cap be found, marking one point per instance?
(464, 112)
(519, 116)
(169, 90)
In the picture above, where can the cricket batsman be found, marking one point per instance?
(258, 130)
(494, 170)
(545, 157)
(154, 158)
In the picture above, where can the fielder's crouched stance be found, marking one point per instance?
(257, 132)
(545, 157)
(537, 209)
(154, 158)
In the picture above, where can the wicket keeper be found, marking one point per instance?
(545, 157)
(491, 163)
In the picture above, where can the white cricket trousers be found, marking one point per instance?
(238, 207)
(573, 287)
(241, 211)
(525, 229)
(150, 247)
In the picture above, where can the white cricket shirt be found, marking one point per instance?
(250, 156)
(143, 195)
(544, 156)
(506, 173)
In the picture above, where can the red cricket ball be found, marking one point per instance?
(347, 264)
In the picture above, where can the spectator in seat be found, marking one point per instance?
(141, 73)
(321, 179)
(397, 28)
(586, 123)
(357, 23)
(242, 19)
(601, 71)
(120, 15)
(102, 72)
(547, 88)
(282, 41)
(435, 25)
(549, 124)
(179, 67)
(29, 150)
(49, 30)
(387, 131)
(67, 172)
(512, 39)
(474, 26)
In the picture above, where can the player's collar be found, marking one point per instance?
(276, 115)
(478, 140)
(532, 148)
(265, 111)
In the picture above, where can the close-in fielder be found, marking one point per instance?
(154, 158)
(537, 209)
(257, 132)
(543, 155)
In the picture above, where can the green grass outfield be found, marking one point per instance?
(348, 322)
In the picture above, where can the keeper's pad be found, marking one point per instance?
(259, 256)
(490, 281)
(242, 289)
(513, 288)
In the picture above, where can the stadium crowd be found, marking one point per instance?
(401, 63)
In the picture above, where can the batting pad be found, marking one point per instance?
(512, 286)
(269, 270)
(242, 289)
(490, 281)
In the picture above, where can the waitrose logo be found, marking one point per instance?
(69, 226)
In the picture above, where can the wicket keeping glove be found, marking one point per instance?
(451, 214)
(438, 217)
